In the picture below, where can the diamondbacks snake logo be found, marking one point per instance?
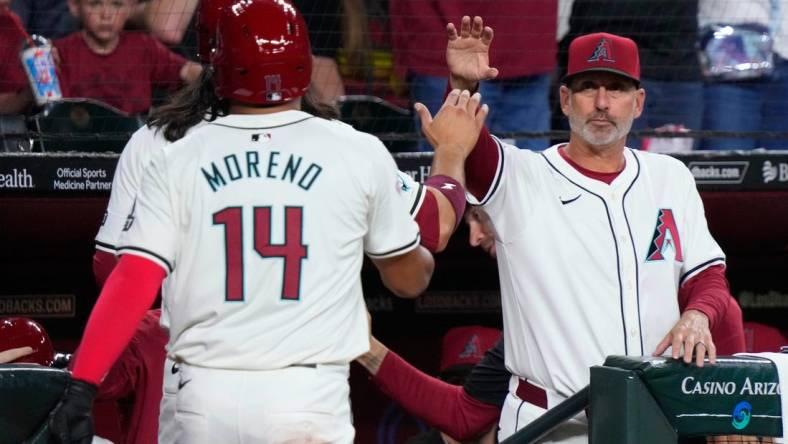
(666, 237)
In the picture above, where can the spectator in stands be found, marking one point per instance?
(167, 20)
(15, 95)
(525, 31)
(48, 18)
(117, 67)
(759, 104)
(324, 20)
(666, 33)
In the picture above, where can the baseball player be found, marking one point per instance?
(307, 267)
(593, 240)
(431, 204)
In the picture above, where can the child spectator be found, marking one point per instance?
(117, 67)
(106, 63)
(14, 92)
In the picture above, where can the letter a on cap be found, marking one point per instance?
(602, 52)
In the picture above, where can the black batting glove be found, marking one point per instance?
(70, 422)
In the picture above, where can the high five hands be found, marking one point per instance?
(456, 126)
(468, 53)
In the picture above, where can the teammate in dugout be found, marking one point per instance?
(210, 318)
(592, 237)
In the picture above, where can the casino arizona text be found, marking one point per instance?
(689, 386)
(291, 169)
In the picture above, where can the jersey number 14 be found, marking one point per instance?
(292, 251)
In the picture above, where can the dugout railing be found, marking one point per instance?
(655, 400)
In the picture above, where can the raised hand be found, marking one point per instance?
(468, 53)
(455, 128)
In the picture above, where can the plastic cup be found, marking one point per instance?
(40, 68)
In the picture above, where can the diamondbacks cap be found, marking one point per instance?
(603, 52)
(467, 345)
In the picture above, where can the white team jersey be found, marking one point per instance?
(131, 165)
(266, 219)
(412, 192)
(588, 269)
(126, 183)
(133, 160)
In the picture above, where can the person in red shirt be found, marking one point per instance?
(101, 61)
(526, 56)
(15, 94)
(117, 67)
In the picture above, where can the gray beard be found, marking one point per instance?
(617, 132)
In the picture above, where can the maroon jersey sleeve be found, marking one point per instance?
(444, 406)
(708, 292)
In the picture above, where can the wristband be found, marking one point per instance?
(453, 191)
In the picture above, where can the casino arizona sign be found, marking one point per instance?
(689, 386)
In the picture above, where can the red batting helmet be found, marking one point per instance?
(262, 53)
(25, 332)
(205, 23)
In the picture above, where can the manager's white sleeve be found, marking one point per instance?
(390, 229)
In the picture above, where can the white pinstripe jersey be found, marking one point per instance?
(589, 269)
(266, 219)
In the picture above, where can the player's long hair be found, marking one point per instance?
(188, 106)
(198, 101)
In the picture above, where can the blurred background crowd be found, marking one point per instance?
(714, 70)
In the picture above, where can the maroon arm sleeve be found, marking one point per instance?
(103, 264)
(128, 293)
(444, 406)
(481, 164)
(708, 292)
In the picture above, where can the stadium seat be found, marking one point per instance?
(14, 136)
(28, 393)
(82, 125)
(374, 115)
